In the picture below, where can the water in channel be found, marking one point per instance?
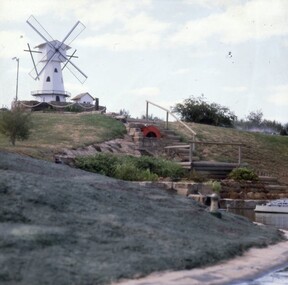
(279, 277)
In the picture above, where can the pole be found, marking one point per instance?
(17, 78)
(167, 118)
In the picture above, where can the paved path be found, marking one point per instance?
(251, 265)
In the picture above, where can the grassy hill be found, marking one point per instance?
(268, 154)
(53, 131)
(60, 225)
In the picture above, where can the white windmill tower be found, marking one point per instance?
(52, 59)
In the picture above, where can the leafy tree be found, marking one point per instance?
(255, 118)
(15, 124)
(196, 109)
(284, 130)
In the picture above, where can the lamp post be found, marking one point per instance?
(17, 59)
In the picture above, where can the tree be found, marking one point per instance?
(255, 118)
(124, 112)
(196, 109)
(15, 124)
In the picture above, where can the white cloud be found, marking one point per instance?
(235, 89)
(136, 33)
(144, 23)
(258, 19)
(202, 54)
(145, 92)
(183, 71)
(212, 3)
(108, 11)
(123, 41)
(11, 43)
(278, 95)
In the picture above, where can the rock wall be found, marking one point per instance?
(249, 190)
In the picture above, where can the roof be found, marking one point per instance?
(79, 96)
(54, 43)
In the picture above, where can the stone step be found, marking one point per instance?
(274, 187)
(171, 136)
(268, 180)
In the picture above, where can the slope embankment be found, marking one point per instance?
(60, 225)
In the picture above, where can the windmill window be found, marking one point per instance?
(55, 70)
(48, 79)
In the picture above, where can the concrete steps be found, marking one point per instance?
(276, 188)
(268, 180)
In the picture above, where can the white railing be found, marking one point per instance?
(50, 92)
(167, 117)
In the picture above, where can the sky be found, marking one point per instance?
(233, 52)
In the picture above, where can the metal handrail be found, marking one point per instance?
(191, 147)
(169, 112)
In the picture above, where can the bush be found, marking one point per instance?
(215, 185)
(159, 166)
(101, 163)
(243, 173)
(128, 172)
(130, 168)
(15, 125)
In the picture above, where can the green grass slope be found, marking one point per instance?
(53, 131)
(268, 154)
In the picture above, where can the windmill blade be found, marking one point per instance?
(51, 56)
(30, 51)
(76, 30)
(76, 72)
(39, 29)
(69, 58)
(72, 67)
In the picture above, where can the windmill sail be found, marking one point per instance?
(57, 50)
(53, 55)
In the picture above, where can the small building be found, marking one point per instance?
(84, 98)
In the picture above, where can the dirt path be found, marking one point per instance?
(254, 263)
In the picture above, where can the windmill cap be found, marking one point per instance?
(55, 43)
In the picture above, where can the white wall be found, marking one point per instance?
(49, 98)
(85, 99)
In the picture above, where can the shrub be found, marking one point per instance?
(100, 163)
(129, 167)
(15, 125)
(215, 185)
(128, 172)
(243, 173)
(73, 108)
(159, 166)
(196, 177)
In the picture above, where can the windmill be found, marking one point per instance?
(52, 59)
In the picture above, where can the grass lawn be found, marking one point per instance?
(53, 131)
(268, 154)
